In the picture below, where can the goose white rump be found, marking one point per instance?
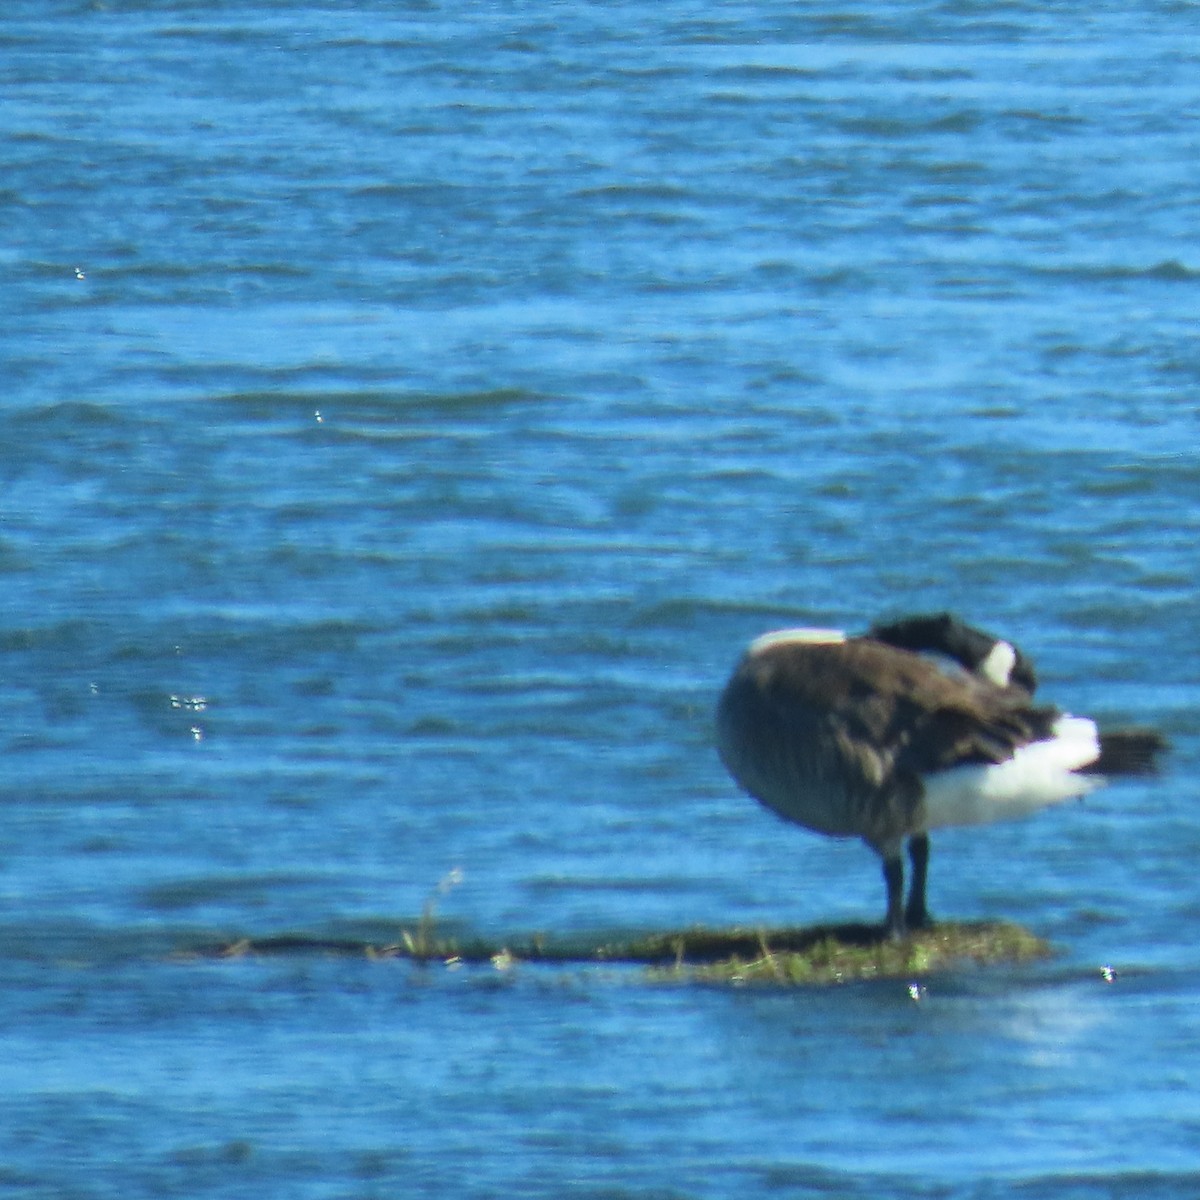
(1038, 774)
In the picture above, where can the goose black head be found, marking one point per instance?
(973, 649)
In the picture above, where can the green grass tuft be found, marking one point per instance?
(841, 956)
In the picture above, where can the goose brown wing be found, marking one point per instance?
(947, 721)
(897, 711)
(958, 735)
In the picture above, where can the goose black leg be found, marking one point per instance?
(893, 878)
(916, 915)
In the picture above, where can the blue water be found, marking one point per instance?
(409, 410)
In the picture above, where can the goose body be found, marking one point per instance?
(914, 726)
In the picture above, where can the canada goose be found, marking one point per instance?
(918, 724)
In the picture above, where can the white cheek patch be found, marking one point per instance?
(998, 666)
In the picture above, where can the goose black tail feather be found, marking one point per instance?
(1128, 752)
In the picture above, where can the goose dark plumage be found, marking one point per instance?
(920, 723)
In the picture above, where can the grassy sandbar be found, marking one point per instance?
(808, 956)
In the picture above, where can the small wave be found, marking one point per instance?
(215, 889)
(1170, 270)
(365, 404)
(1045, 118)
(59, 418)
